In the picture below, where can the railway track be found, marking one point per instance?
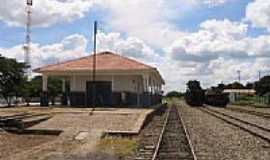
(255, 113)
(252, 128)
(173, 141)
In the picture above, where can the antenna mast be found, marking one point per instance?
(26, 47)
(239, 76)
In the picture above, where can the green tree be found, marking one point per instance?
(11, 78)
(235, 85)
(194, 85)
(33, 88)
(249, 85)
(174, 94)
(221, 86)
(54, 88)
(263, 85)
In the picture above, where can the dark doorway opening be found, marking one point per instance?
(103, 90)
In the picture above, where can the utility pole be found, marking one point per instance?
(239, 76)
(94, 69)
(26, 47)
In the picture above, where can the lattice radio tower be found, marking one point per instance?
(27, 48)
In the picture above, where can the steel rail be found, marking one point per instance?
(240, 120)
(187, 135)
(161, 134)
(255, 113)
(219, 116)
(163, 131)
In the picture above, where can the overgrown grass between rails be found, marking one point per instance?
(119, 146)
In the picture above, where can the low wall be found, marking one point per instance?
(78, 99)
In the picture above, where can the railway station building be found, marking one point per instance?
(119, 81)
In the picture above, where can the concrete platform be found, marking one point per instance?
(80, 132)
(107, 120)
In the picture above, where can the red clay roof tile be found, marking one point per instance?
(104, 61)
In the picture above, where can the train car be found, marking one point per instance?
(195, 97)
(216, 98)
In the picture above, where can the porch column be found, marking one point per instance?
(151, 91)
(138, 93)
(44, 83)
(146, 83)
(73, 85)
(146, 95)
(44, 101)
(64, 100)
(63, 85)
(112, 83)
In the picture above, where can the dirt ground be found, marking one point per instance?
(13, 143)
(71, 121)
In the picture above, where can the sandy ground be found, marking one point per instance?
(11, 143)
(69, 144)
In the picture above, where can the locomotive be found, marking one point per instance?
(196, 96)
(216, 98)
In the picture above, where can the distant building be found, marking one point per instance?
(119, 81)
(235, 93)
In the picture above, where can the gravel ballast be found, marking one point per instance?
(250, 108)
(213, 139)
(260, 121)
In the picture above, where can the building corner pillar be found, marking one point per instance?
(64, 100)
(44, 97)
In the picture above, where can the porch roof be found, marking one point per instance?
(105, 61)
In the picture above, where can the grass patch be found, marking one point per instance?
(119, 146)
(255, 101)
(243, 103)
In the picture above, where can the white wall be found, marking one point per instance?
(121, 83)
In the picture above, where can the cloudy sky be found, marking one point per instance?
(207, 40)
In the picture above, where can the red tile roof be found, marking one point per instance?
(105, 61)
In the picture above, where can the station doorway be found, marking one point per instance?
(103, 92)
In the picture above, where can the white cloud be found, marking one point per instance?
(217, 50)
(209, 3)
(44, 12)
(52, 53)
(130, 46)
(213, 3)
(148, 20)
(214, 39)
(258, 13)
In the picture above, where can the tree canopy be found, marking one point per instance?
(11, 78)
(263, 85)
(33, 88)
(235, 85)
(174, 94)
(194, 85)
